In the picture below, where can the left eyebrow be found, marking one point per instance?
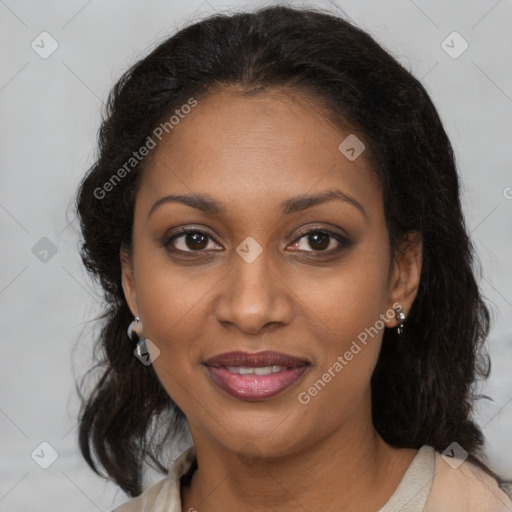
(300, 203)
(291, 205)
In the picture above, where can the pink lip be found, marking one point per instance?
(252, 386)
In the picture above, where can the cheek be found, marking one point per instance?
(351, 297)
(174, 304)
(171, 298)
(351, 307)
(173, 309)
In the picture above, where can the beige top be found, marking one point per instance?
(429, 485)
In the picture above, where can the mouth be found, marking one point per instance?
(255, 376)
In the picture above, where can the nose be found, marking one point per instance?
(253, 296)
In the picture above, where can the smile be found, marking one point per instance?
(253, 376)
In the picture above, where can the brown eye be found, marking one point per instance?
(320, 240)
(189, 240)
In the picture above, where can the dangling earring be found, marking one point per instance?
(135, 330)
(145, 350)
(400, 316)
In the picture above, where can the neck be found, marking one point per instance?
(335, 473)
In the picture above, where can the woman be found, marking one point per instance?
(275, 219)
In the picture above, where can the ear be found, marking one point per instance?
(405, 274)
(128, 280)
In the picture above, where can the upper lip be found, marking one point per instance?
(254, 360)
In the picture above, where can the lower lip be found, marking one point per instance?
(255, 387)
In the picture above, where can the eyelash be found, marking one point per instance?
(343, 240)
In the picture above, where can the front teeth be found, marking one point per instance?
(260, 370)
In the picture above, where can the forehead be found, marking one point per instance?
(254, 151)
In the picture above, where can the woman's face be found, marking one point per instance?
(261, 274)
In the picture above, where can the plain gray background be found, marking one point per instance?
(50, 111)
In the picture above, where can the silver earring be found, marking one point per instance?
(135, 330)
(400, 316)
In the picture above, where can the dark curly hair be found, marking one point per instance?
(423, 386)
